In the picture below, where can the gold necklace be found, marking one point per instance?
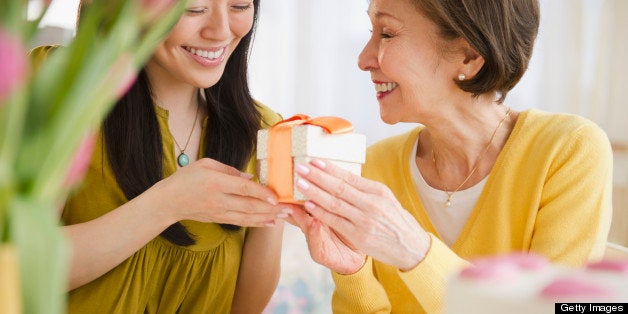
(475, 166)
(183, 159)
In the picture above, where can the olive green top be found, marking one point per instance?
(161, 277)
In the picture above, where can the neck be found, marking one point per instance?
(170, 93)
(458, 137)
(461, 152)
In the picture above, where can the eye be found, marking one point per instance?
(386, 35)
(196, 10)
(243, 7)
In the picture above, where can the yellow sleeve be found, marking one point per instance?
(359, 292)
(427, 280)
(575, 210)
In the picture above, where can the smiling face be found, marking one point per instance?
(406, 59)
(198, 47)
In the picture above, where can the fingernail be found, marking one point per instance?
(246, 175)
(282, 216)
(319, 163)
(270, 224)
(301, 169)
(303, 184)
(309, 205)
(273, 201)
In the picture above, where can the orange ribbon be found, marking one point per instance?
(279, 151)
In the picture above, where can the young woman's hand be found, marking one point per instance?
(363, 213)
(209, 191)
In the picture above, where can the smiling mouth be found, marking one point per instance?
(385, 87)
(211, 55)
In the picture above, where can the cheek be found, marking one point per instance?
(241, 24)
(394, 62)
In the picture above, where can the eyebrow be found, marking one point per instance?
(379, 15)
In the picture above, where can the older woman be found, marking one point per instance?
(476, 179)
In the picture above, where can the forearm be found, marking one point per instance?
(360, 292)
(428, 279)
(101, 244)
(259, 269)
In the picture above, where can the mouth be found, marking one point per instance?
(384, 88)
(210, 55)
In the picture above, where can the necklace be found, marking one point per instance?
(183, 159)
(475, 166)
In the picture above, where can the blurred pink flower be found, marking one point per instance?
(81, 159)
(13, 63)
(122, 74)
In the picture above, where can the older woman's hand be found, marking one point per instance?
(326, 247)
(363, 213)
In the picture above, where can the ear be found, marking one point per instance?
(472, 61)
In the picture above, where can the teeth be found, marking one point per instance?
(205, 53)
(385, 87)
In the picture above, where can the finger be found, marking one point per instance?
(339, 223)
(244, 217)
(356, 181)
(355, 190)
(301, 219)
(244, 187)
(249, 206)
(329, 192)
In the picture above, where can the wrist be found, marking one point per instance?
(418, 254)
(157, 208)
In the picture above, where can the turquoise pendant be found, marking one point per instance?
(183, 160)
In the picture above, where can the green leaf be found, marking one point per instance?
(43, 255)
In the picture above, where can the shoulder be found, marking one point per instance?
(269, 116)
(562, 138)
(563, 129)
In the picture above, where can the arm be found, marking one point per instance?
(359, 292)
(259, 269)
(220, 194)
(101, 244)
(575, 209)
(357, 289)
(364, 215)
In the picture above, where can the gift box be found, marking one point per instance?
(300, 139)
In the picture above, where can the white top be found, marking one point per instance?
(448, 221)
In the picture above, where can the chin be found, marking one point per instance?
(206, 83)
(388, 118)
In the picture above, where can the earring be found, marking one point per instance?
(461, 77)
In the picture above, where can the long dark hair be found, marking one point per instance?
(133, 139)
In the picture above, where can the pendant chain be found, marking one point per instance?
(475, 166)
(184, 162)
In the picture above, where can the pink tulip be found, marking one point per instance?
(13, 63)
(81, 160)
(122, 75)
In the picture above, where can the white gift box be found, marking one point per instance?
(346, 150)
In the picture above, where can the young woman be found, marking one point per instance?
(153, 228)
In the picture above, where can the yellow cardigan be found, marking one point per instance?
(549, 192)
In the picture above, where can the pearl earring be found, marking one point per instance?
(461, 77)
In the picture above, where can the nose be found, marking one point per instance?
(216, 26)
(367, 61)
